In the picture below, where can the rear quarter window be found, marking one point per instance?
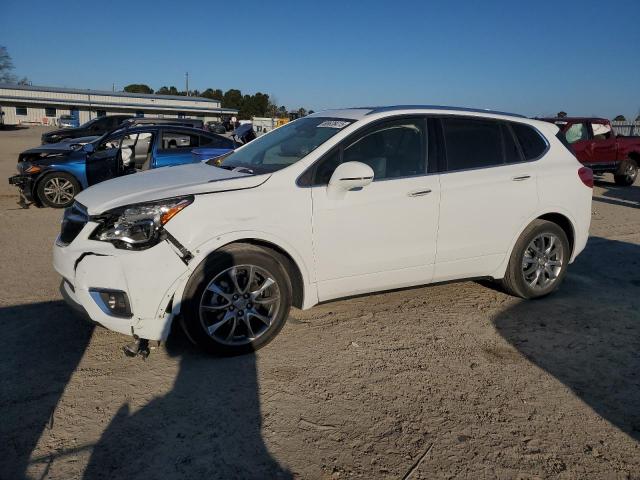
(531, 142)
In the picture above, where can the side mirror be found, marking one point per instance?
(88, 147)
(349, 176)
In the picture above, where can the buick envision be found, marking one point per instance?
(335, 204)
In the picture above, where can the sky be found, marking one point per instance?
(527, 57)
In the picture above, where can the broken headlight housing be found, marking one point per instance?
(138, 226)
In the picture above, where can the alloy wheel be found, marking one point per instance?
(542, 261)
(240, 304)
(59, 190)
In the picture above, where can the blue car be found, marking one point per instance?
(52, 175)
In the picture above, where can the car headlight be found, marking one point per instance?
(138, 226)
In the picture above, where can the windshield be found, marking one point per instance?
(283, 146)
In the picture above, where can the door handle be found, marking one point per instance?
(419, 193)
(521, 178)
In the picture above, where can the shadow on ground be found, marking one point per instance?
(617, 195)
(208, 426)
(595, 353)
(42, 346)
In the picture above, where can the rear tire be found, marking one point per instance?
(628, 173)
(538, 261)
(58, 189)
(222, 309)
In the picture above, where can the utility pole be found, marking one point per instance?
(187, 77)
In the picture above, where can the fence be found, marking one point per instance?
(626, 128)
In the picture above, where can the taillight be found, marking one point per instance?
(586, 175)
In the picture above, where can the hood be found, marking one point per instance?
(41, 152)
(52, 148)
(166, 182)
(80, 140)
(65, 132)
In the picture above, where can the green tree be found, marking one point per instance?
(561, 114)
(232, 99)
(213, 94)
(301, 112)
(168, 91)
(620, 118)
(282, 112)
(138, 88)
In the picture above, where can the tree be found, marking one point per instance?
(561, 114)
(620, 118)
(168, 91)
(282, 112)
(311, 112)
(6, 69)
(213, 94)
(138, 88)
(232, 99)
(301, 112)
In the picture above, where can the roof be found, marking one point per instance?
(572, 119)
(358, 113)
(85, 91)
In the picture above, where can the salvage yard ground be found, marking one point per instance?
(449, 381)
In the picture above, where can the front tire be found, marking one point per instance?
(538, 261)
(57, 190)
(237, 300)
(627, 174)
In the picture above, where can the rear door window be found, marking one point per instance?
(601, 131)
(216, 142)
(472, 143)
(176, 140)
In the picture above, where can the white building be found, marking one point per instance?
(44, 105)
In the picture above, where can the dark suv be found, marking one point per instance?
(96, 127)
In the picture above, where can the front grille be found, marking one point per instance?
(74, 220)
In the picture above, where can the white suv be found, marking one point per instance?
(339, 203)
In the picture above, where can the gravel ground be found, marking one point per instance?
(448, 381)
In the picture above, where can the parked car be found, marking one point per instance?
(216, 127)
(244, 133)
(52, 175)
(97, 126)
(598, 147)
(334, 204)
(68, 121)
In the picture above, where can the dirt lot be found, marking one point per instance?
(449, 381)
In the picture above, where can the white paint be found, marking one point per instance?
(346, 238)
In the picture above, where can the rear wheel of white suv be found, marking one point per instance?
(237, 300)
(538, 261)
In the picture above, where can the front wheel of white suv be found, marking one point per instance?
(237, 300)
(538, 261)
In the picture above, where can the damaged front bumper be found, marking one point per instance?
(24, 184)
(87, 266)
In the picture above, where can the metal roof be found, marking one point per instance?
(86, 91)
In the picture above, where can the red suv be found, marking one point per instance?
(596, 145)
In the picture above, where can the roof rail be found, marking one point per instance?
(391, 108)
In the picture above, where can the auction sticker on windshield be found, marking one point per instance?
(333, 124)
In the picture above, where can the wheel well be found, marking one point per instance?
(635, 156)
(564, 223)
(297, 284)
